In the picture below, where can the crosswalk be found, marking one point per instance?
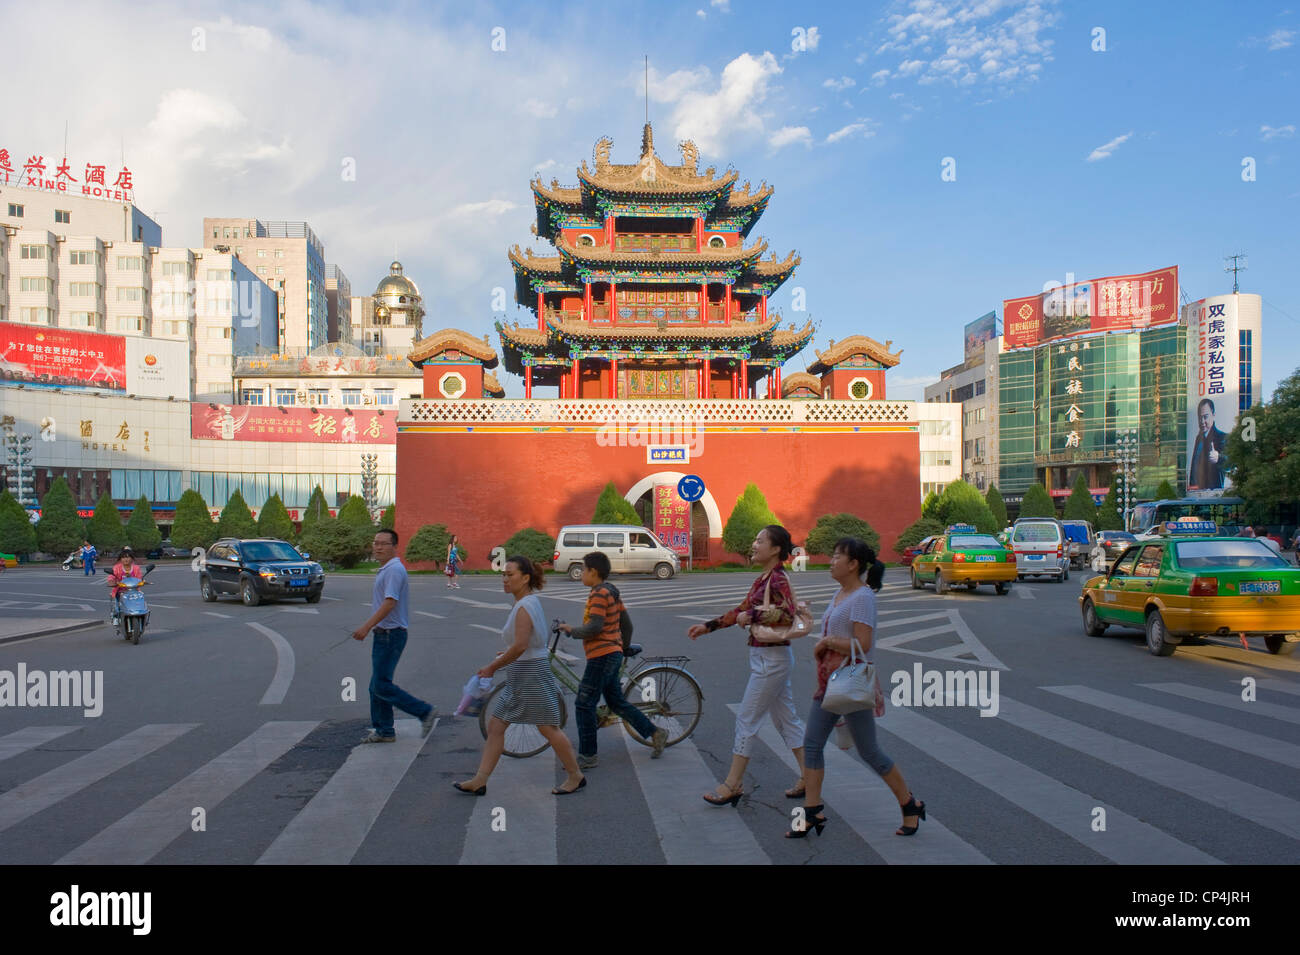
(1110, 773)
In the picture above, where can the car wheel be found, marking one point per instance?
(575, 571)
(206, 591)
(249, 593)
(1092, 626)
(1003, 588)
(1276, 643)
(1157, 636)
(916, 581)
(313, 598)
(940, 585)
(662, 571)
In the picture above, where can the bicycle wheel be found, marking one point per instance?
(522, 739)
(671, 700)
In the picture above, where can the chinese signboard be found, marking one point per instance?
(668, 454)
(983, 329)
(63, 359)
(57, 176)
(156, 368)
(317, 426)
(1070, 396)
(1114, 303)
(672, 519)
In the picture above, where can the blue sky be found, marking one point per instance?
(1068, 159)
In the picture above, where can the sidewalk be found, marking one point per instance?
(20, 628)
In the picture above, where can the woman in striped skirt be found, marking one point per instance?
(531, 694)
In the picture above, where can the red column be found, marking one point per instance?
(609, 231)
(586, 301)
(735, 382)
(778, 381)
(699, 233)
(726, 311)
(528, 381)
(613, 378)
(577, 384)
(704, 303)
(744, 378)
(541, 311)
(762, 307)
(707, 372)
(612, 300)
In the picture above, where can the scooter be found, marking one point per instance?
(73, 560)
(132, 608)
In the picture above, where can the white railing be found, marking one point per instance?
(716, 411)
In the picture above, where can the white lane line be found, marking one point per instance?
(29, 798)
(862, 800)
(164, 606)
(483, 626)
(140, 835)
(30, 737)
(1023, 592)
(1278, 685)
(339, 599)
(436, 616)
(1127, 840)
(1232, 701)
(480, 603)
(1274, 750)
(522, 789)
(906, 621)
(1252, 803)
(332, 826)
(691, 832)
(213, 613)
(283, 665)
(299, 610)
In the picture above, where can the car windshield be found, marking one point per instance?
(1036, 533)
(270, 550)
(973, 541)
(1227, 554)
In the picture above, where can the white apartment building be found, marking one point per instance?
(338, 299)
(940, 445)
(974, 386)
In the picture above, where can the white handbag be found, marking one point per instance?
(853, 686)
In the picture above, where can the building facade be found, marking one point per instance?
(392, 319)
(334, 376)
(338, 299)
(974, 386)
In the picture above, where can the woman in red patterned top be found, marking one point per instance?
(770, 664)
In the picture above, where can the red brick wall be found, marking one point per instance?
(486, 485)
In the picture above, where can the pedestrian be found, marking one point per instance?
(391, 604)
(88, 555)
(1268, 540)
(530, 694)
(453, 564)
(124, 568)
(602, 638)
(1097, 555)
(768, 691)
(851, 616)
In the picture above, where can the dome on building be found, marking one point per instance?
(396, 284)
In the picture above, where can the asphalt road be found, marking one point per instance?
(225, 737)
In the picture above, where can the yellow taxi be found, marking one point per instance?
(962, 555)
(1188, 582)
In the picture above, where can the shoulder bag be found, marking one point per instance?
(766, 633)
(853, 686)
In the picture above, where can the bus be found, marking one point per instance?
(1228, 512)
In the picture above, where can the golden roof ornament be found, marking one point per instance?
(647, 142)
(603, 146)
(690, 154)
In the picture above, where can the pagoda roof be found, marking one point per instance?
(491, 386)
(854, 345)
(453, 338)
(800, 379)
(602, 255)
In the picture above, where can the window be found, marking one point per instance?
(1149, 563)
(253, 396)
(612, 539)
(34, 251)
(83, 257)
(279, 253)
(219, 275)
(318, 396)
(936, 459)
(279, 270)
(62, 215)
(223, 361)
(967, 449)
(83, 289)
(84, 320)
(261, 253)
(936, 427)
(384, 396)
(717, 242)
(979, 387)
(579, 540)
(16, 211)
(130, 294)
(129, 262)
(979, 447)
(286, 396)
(33, 284)
(261, 270)
(1244, 354)
(351, 396)
(37, 316)
(214, 233)
(131, 323)
(218, 334)
(176, 268)
(932, 487)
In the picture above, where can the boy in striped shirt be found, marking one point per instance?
(602, 638)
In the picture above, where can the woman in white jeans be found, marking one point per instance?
(770, 664)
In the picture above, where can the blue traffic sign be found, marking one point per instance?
(691, 487)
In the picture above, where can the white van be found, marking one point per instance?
(1041, 547)
(631, 550)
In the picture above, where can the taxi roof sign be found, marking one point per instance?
(1195, 528)
(962, 529)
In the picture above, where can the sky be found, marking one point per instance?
(1078, 141)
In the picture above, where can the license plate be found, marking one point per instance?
(299, 583)
(1261, 587)
(1033, 556)
(985, 558)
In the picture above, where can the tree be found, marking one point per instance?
(354, 511)
(613, 508)
(918, 531)
(17, 535)
(342, 542)
(962, 504)
(930, 506)
(388, 519)
(429, 545)
(533, 544)
(105, 527)
(141, 531)
(274, 520)
(831, 527)
(997, 506)
(1037, 503)
(1079, 506)
(1264, 448)
(236, 519)
(317, 509)
(1166, 492)
(60, 529)
(1108, 516)
(750, 515)
(192, 527)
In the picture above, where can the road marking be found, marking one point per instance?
(151, 606)
(1252, 803)
(483, 626)
(1267, 683)
(332, 826)
(299, 610)
(340, 599)
(213, 613)
(36, 795)
(691, 832)
(1024, 593)
(1127, 840)
(479, 603)
(436, 616)
(31, 737)
(1232, 701)
(521, 787)
(970, 650)
(1274, 750)
(283, 665)
(862, 800)
(140, 835)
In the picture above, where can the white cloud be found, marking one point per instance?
(909, 67)
(713, 117)
(880, 76)
(701, 14)
(843, 83)
(1279, 39)
(535, 107)
(1277, 132)
(788, 135)
(846, 131)
(723, 5)
(489, 207)
(671, 88)
(1104, 152)
(542, 167)
(861, 58)
(814, 37)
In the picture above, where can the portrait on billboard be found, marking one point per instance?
(1207, 461)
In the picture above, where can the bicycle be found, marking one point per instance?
(660, 687)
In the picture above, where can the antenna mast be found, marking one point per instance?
(647, 89)
(1235, 267)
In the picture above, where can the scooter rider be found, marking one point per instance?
(124, 568)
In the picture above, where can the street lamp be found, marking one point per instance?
(370, 480)
(1126, 456)
(18, 458)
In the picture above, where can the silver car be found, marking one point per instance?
(631, 550)
(1041, 548)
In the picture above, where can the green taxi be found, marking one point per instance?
(1187, 583)
(962, 555)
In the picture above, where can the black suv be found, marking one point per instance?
(257, 569)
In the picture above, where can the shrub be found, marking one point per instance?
(750, 515)
(1166, 491)
(962, 504)
(105, 526)
(997, 506)
(429, 545)
(274, 520)
(354, 511)
(317, 509)
(236, 519)
(17, 535)
(930, 506)
(60, 528)
(531, 543)
(613, 508)
(1037, 503)
(141, 531)
(918, 531)
(340, 542)
(1108, 516)
(388, 519)
(192, 526)
(1079, 506)
(831, 527)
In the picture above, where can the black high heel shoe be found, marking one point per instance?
(813, 819)
(912, 808)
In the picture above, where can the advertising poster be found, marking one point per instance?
(672, 519)
(983, 329)
(1113, 303)
(60, 358)
(219, 422)
(156, 368)
(1222, 334)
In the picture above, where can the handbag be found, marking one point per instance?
(853, 686)
(801, 626)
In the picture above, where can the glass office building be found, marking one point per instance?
(1063, 405)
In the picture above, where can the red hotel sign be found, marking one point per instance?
(53, 356)
(1114, 303)
(38, 173)
(260, 423)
